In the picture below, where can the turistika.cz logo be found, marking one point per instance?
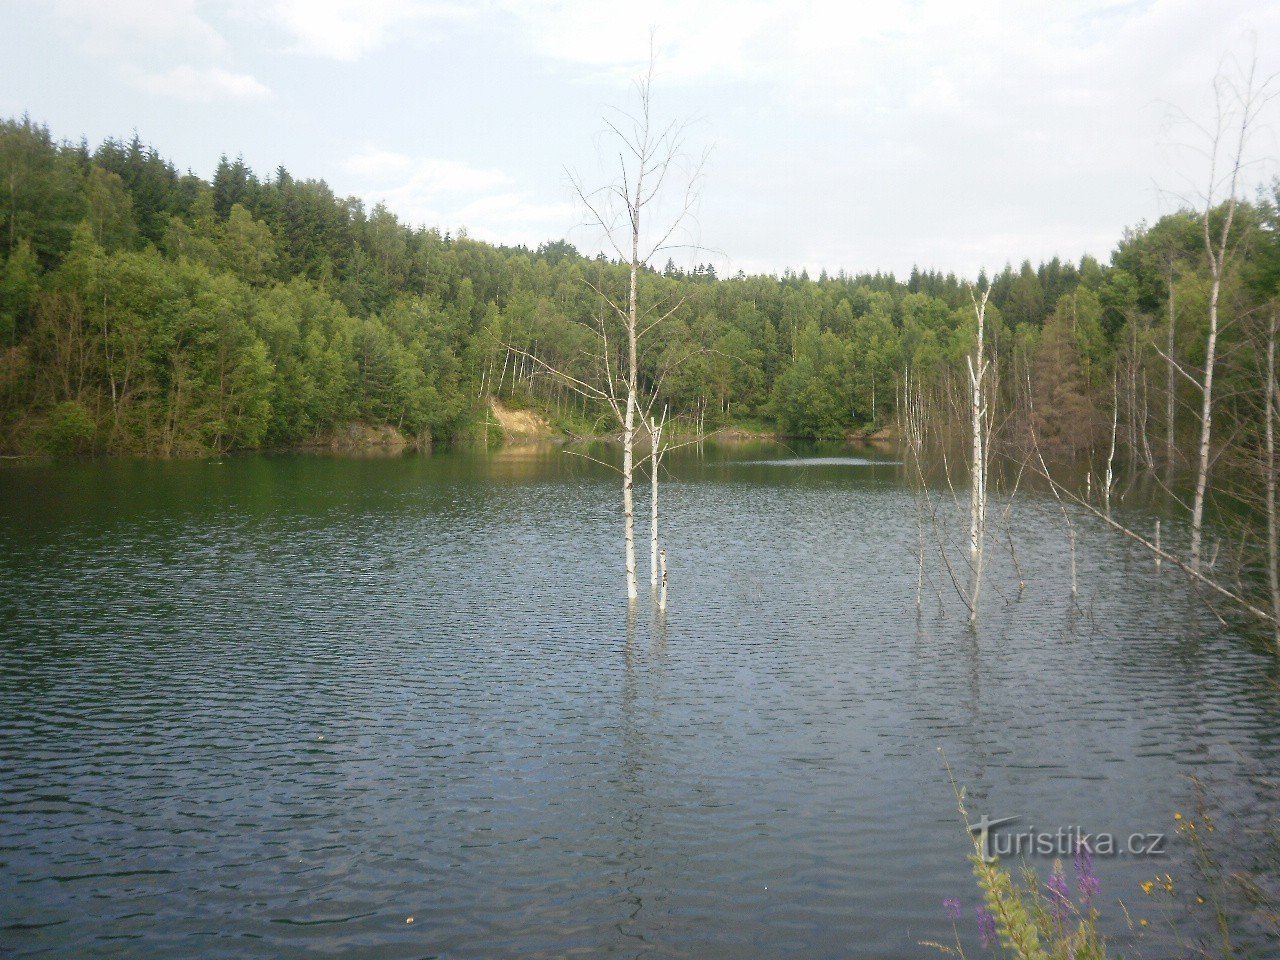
(998, 842)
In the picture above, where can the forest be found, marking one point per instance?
(148, 312)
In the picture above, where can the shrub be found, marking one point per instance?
(69, 430)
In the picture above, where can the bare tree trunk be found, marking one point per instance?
(1111, 455)
(1206, 422)
(1132, 388)
(1170, 388)
(646, 156)
(628, 491)
(1273, 537)
(653, 524)
(655, 462)
(978, 491)
(1143, 434)
(629, 427)
(1249, 99)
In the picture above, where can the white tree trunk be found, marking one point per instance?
(978, 492)
(1206, 422)
(629, 423)
(1111, 454)
(628, 492)
(646, 156)
(655, 436)
(1170, 388)
(1249, 100)
(1273, 535)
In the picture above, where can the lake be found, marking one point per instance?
(275, 706)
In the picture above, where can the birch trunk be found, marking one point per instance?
(1273, 535)
(1248, 101)
(629, 425)
(1206, 423)
(1170, 388)
(978, 493)
(628, 492)
(646, 158)
(1111, 454)
(655, 437)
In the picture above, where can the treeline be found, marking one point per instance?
(147, 311)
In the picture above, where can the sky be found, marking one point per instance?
(946, 134)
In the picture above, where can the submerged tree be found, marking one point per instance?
(1238, 102)
(650, 158)
(980, 425)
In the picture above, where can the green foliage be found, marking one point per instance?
(193, 316)
(1025, 919)
(814, 395)
(246, 247)
(68, 430)
(19, 282)
(1013, 908)
(42, 200)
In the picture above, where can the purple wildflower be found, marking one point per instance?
(986, 926)
(1087, 881)
(952, 908)
(1061, 894)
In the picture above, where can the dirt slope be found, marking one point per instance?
(519, 424)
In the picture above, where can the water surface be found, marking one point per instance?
(276, 706)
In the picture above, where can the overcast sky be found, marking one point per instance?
(947, 134)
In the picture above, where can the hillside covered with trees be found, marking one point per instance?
(145, 311)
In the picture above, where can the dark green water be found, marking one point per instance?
(275, 706)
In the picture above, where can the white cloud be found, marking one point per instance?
(952, 133)
(422, 176)
(347, 30)
(862, 135)
(713, 39)
(201, 85)
(513, 218)
(377, 163)
(131, 27)
(431, 191)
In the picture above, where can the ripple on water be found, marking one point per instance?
(277, 709)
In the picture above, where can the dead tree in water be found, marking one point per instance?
(1270, 468)
(1238, 102)
(1266, 465)
(651, 160)
(648, 156)
(655, 428)
(978, 366)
